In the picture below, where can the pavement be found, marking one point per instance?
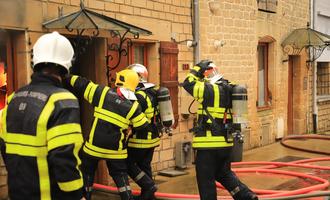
(186, 184)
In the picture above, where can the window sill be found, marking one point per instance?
(264, 108)
(323, 98)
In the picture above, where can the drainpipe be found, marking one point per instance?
(195, 25)
(314, 67)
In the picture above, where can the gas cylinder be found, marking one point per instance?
(165, 107)
(240, 105)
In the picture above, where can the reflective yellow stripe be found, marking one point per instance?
(63, 130)
(104, 92)
(73, 80)
(104, 153)
(112, 115)
(150, 110)
(43, 178)
(75, 138)
(92, 132)
(143, 143)
(22, 150)
(87, 91)
(122, 138)
(10, 97)
(71, 185)
(211, 144)
(132, 111)
(24, 139)
(111, 120)
(139, 120)
(216, 96)
(91, 93)
(142, 93)
(210, 141)
(199, 91)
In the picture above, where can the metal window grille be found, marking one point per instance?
(323, 78)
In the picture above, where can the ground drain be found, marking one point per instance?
(172, 173)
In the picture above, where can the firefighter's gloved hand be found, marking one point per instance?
(200, 68)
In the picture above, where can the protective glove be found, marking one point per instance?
(200, 68)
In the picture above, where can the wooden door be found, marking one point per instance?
(7, 67)
(169, 73)
(290, 96)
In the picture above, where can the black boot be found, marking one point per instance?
(148, 194)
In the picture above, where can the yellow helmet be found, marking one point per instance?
(128, 79)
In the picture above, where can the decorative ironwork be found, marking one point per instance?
(86, 19)
(122, 48)
(312, 41)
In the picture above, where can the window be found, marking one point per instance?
(139, 54)
(267, 5)
(263, 98)
(323, 78)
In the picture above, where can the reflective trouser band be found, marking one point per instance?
(71, 185)
(234, 191)
(104, 153)
(124, 189)
(143, 143)
(139, 176)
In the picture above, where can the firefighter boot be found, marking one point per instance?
(242, 192)
(147, 186)
(148, 194)
(123, 187)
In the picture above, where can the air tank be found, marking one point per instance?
(240, 105)
(165, 107)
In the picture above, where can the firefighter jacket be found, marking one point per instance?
(212, 97)
(147, 98)
(113, 114)
(41, 138)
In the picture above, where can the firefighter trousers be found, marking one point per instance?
(117, 170)
(139, 169)
(214, 165)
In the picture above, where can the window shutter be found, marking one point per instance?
(169, 73)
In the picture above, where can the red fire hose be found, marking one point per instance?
(320, 137)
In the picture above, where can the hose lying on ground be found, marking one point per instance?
(270, 194)
(321, 137)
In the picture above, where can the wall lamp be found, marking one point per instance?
(189, 43)
(218, 43)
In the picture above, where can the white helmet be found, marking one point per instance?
(141, 70)
(53, 48)
(212, 74)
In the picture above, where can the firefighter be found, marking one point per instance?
(142, 143)
(115, 110)
(41, 134)
(212, 139)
